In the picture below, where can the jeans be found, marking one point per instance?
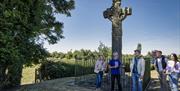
(163, 82)
(117, 77)
(99, 77)
(136, 82)
(173, 81)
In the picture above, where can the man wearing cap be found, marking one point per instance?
(137, 67)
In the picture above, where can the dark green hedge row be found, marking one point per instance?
(58, 69)
(52, 70)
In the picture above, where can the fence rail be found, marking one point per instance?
(81, 74)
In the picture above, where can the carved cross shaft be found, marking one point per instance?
(116, 14)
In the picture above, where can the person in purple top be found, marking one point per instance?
(173, 71)
(114, 66)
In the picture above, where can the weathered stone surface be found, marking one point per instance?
(116, 14)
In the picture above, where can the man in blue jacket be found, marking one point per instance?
(114, 65)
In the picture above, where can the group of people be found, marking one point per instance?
(166, 68)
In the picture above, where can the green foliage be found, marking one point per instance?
(106, 51)
(84, 67)
(126, 59)
(53, 70)
(24, 26)
(77, 54)
(69, 55)
(58, 55)
(84, 54)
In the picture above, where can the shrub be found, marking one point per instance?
(52, 70)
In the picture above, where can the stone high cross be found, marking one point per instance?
(116, 14)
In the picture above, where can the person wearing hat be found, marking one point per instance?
(160, 65)
(137, 68)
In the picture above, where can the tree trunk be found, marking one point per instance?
(2, 74)
(14, 74)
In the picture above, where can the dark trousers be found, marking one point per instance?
(163, 82)
(117, 77)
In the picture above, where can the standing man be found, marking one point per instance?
(137, 67)
(160, 65)
(114, 65)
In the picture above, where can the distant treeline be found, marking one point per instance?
(83, 54)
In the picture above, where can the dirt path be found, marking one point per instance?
(65, 84)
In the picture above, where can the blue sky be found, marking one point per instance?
(153, 23)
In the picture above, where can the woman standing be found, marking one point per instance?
(100, 67)
(173, 70)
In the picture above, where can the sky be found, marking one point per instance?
(153, 23)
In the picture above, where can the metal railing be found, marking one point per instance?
(84, 71)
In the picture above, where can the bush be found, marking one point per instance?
(52, 70)
(126, 61)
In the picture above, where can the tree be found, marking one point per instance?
(106, 51)
(77, 55)
(24, 26)
(69, 55)
(57, 55)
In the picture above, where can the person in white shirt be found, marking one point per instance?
(160, 65)
(173, 71)
(100, 67)
(137, 67)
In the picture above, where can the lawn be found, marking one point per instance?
(28, 75)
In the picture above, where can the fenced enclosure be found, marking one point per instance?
(83, 72)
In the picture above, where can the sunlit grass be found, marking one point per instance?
(28, 75)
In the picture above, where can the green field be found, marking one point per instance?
(28, 75)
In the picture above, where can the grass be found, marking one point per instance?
(61, 84)
(28, 75)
